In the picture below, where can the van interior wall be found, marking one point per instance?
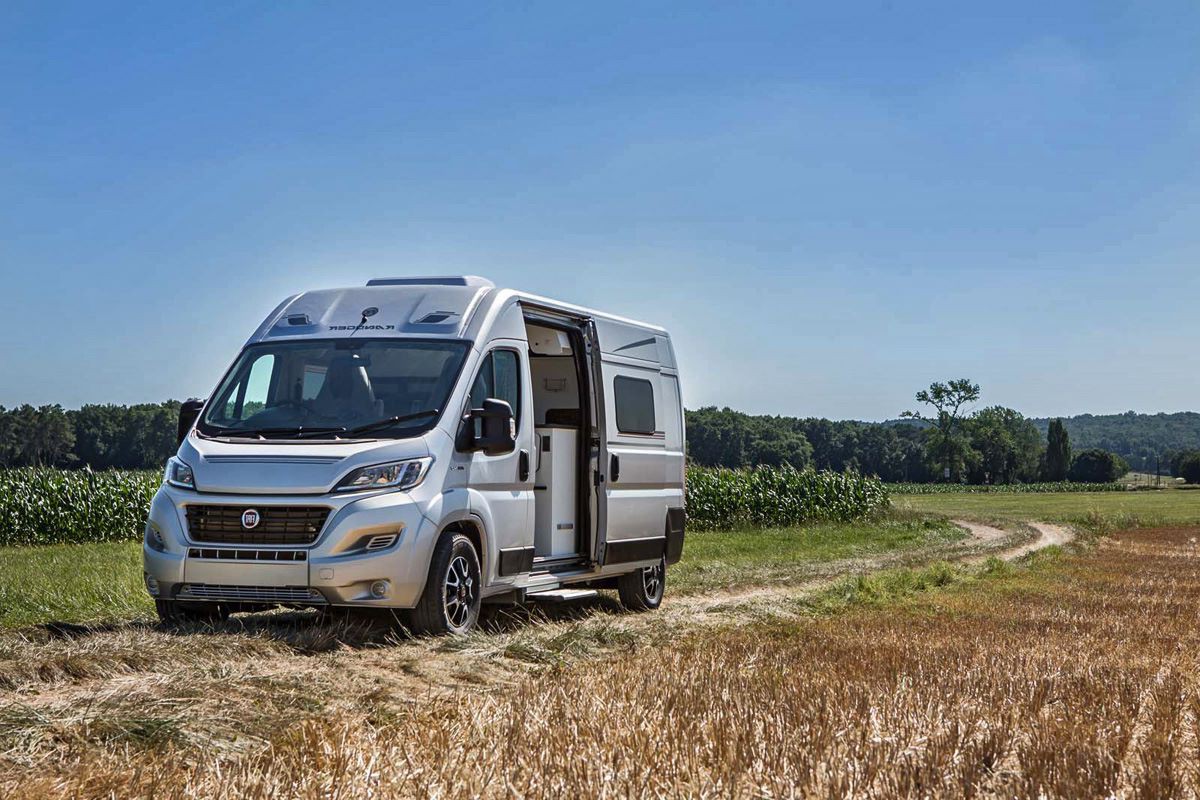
(555, 384)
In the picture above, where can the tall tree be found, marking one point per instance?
(10, 448)
(1058, 451)
(717, 437)
(948, 448)
(1008, 447)
(45, 435)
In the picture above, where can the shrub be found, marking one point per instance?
(1189, 468)
(720, 498)
(41, 505)
(1003, 488)
(1097, 466)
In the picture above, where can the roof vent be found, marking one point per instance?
(298, 319)
(435, 317)
(434, 280)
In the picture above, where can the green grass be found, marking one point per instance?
(723, 559)
(102, 582)
(72, 583)
(1137, 508)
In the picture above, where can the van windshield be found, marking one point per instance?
(322, 388)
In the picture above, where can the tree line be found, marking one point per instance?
(98, 436)
(942, 442)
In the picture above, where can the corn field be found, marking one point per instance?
(42, 505)
(720, 499)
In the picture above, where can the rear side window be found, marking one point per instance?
(499, 378)
(634, 399)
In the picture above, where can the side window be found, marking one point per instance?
(249, 396)
(634, 399)
(500, 378)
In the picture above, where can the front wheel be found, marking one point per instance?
(451, 600)
(643, 590)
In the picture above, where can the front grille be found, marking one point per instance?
(221, 554)
(278, 524)
(251, 594)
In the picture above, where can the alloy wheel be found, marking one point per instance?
(460, 592)
(652, 580)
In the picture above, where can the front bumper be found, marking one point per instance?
(333, 570)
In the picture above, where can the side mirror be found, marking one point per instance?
(188, 412)
(492, 428)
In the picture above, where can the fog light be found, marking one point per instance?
(152, 585)
(380, 589)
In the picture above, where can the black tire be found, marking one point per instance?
(451, 600)
(643, 590)
(173, 612)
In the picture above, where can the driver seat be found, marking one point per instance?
(346, 391)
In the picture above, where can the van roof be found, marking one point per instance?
(441, 306)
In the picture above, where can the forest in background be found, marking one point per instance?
(1001, 445)
(998, 445)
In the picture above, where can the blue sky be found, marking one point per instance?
(829, 205)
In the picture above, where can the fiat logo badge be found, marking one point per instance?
(250, 518)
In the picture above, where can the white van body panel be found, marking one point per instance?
(476, 492)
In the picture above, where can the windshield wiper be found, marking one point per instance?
(370, 426)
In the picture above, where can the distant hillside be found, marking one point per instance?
(1138, 438)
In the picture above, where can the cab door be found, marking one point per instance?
(502, 485)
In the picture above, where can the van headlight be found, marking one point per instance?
(179, 474)
(393, 475)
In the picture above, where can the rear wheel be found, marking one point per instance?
(451, 600)
(643, 590)
(173, 612)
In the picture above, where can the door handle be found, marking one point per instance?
(523, 466)
(614, 468)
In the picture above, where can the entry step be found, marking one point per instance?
(561, 595)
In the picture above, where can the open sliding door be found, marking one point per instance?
(592, 480)
(597, 441)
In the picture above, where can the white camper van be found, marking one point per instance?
(428, 444)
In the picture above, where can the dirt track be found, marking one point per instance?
(1047, 535)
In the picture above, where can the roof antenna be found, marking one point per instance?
(369, 311)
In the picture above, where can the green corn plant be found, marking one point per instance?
(721, 499)
(41, 505)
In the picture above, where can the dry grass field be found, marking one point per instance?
(1072, 676)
